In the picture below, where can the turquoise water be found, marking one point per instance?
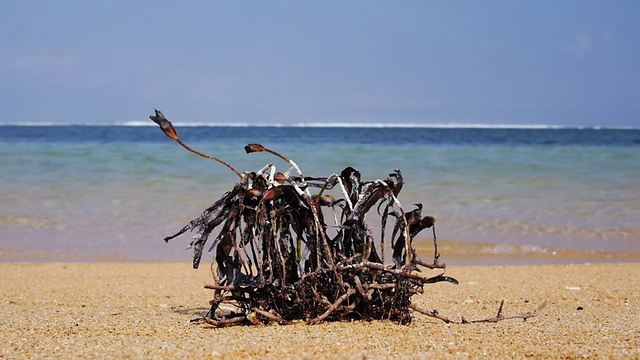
(116, 191)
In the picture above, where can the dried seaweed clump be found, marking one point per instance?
(296, 248)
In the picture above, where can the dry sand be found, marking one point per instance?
(102, 310)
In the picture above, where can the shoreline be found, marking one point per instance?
(453, 252)
(141, 310)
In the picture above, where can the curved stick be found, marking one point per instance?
(500, 316)
(271, 316)
(433, 314)
(209, 157)
(259, 148)
(224, 322)
(170, 131)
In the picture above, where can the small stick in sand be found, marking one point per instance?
(500, 317)
(433, 314)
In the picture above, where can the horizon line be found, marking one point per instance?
(333, 125)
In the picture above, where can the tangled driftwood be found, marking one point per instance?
(276, 262)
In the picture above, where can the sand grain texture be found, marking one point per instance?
(101, 310)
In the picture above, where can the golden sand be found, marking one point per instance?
(107, 310)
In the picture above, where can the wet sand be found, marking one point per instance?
(118, 310)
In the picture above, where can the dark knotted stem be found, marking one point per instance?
(209, 157)
(251, 148)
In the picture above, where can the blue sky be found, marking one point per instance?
(488, 62)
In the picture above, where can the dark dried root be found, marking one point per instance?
(275, 261)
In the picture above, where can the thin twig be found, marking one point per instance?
(418, 261)
(271, 316)
(378, 266)
(211, 157)
(433, 313)
(436, 254)
(381, 286)
(226, 288)
(332, 307)
(501, 317)
(361, 289)
(224, 322)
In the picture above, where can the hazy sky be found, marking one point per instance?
(492, 62)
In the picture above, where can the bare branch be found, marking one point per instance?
(500, 317)
(332, 307)
(224, 322)
(271, 316)
(433, 313)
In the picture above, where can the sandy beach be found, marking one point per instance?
(116, 310)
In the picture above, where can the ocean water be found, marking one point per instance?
(113, 192)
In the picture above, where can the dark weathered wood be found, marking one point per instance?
(275, 262)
